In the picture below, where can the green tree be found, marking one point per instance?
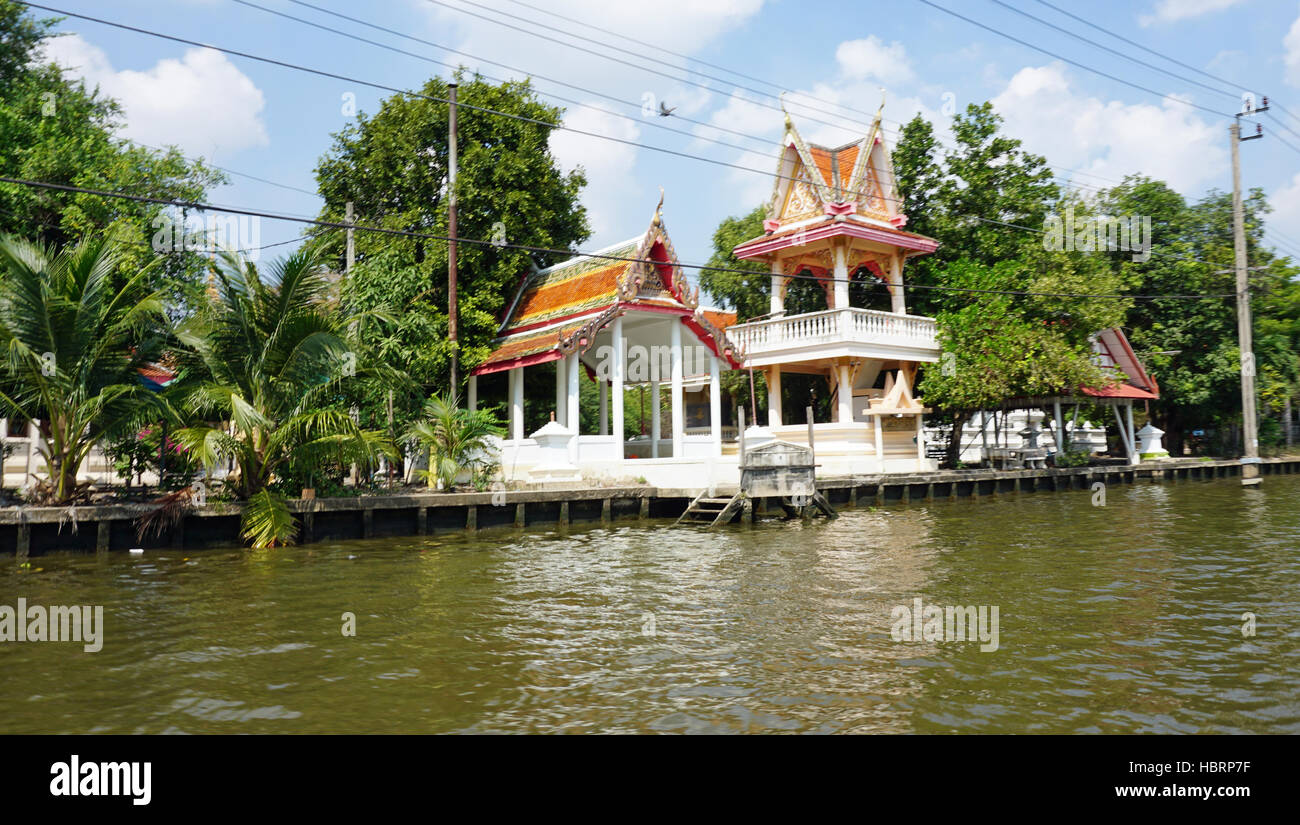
(271, 356)
(393, 166)
(54, 129)
(74, 342)
(455, 440)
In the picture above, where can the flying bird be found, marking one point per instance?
(664, 111)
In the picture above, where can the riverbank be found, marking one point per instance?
(36, 531)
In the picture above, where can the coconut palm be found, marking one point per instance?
(269, 355)
(73, 342)
(454, 439)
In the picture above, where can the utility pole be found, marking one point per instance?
(451, 232)
(349, 217)
(1249, 416)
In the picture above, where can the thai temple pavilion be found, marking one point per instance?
(833, 214)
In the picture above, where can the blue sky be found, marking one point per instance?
(833, 58)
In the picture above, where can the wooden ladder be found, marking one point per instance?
(716, 511)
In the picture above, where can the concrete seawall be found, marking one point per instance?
(35, 531)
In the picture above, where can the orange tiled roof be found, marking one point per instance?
(822, 157)
(522, 346)
(719, 318)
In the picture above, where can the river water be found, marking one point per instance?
(1125, 617)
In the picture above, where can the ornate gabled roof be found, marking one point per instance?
(812, 177)
(560, 309)
(1113, 353)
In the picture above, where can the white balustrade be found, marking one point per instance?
(864, 325)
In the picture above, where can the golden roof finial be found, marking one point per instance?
(659, 218)
(789, 124)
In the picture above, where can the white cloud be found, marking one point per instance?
(1110, 139)
(1171, 11)
(1286, 208)
(201, 102)
(1291, 55)
(612, 184)
(619, 204)
(871, 58)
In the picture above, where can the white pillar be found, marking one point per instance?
(774, 395)
(654, 419)
(679, 410)
(715, 404)
(517, 403)
(561, 390)
(1060, 428)
(572, 418)
(777, 303)
(880, 440)
(620, 366)
(898, 302)
(472, 403)
(1133, 457)
(845, 394)
(841, 273)
(920, 442)
(604, 406)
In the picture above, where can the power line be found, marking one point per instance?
(1083, 66)
(1139, 45)
(604, 56)
(1112, 51)
(485, 110)
(549, 251)
(585, 90)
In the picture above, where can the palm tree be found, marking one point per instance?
(270, 355)
(73, 344)
(454, 439)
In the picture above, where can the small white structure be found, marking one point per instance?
(1150, 442)
(554, 449)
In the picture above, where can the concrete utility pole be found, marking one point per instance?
(451, 232)
(349, 217)
(1249, 415)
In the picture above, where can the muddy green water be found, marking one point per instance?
(1122, 618)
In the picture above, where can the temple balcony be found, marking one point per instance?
(835, 333)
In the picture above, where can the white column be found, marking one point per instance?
(715, 403)
(777, 304)
(920, 441)
(517, 403)
(679, 409)
(472, 404)
(845, 394)
(899, 303)
(1060, 428)
(620, 366)
(654, 419)
(880, 440)
(572, 418)
(774, 396)
(561, 391)
(604, 406)
(1133, 457)
(841, 272)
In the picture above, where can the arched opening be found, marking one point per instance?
(805, 293)
(868, 291)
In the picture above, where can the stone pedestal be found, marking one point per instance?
(554, 440)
